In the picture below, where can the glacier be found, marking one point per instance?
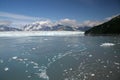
(40, 33)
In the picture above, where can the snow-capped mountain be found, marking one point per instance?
(7, 28)
(38, 25)
(49, 26)
(45, 26)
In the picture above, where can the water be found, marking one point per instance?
(60, 58)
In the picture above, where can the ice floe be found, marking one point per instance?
(6, 69)
(15, 57)
(43, 75)
(107, 44)
(1, 61)
(92, 74)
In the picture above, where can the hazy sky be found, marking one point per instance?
(80, 10)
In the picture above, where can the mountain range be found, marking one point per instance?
(46, 27)
(107, 28)
(8, 28)
(111, 27)
(58, 27)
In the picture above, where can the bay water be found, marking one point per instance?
(60, 58)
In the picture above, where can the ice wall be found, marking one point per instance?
(40, 33)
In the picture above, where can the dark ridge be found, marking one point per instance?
(111, 27)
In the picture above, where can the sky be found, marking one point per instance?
(76, 11)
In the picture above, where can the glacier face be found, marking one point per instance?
(40, 33)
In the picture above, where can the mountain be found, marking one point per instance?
(62, 28)
(85, 28)
(111, 27)
(7, 28)
(38, 27)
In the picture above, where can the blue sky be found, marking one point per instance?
(79, 10)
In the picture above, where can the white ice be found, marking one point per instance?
(40, 33)
(6, 69)
(15, 57)
(107, 44)
(43, 75)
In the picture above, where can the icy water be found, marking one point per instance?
(60, 58)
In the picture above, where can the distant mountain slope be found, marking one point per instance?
(6, 28)
(48, 27)
(38, 27)
(44, 26)
(108, 28)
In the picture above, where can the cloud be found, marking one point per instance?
(5, 22)
(46, 22)
(16, 16)
(68, 22)
(90, 23)
(75, 23)
(20, 20)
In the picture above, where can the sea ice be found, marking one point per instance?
(29, 76)
(15, 57)
(107, 44)
(90, 55)
(43, 75)
(33, 48)
(1, 61)
(6, 69)
(92, 74)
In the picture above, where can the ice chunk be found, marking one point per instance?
(35, 66)
(33, 48)
(1, 61)
(92, 74)
(70, 69)
(90, 55)
(107, 44)
(6, 69)
(15, 57)
(43, 75)
(29, 76)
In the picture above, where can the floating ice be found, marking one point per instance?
(29, 76)
(70, 69)
(107, 44)
(26, 71)
(1, 61)
(6, 69)
(90, 55)
(40, 33)
(35, 66)
(116, 63)
(66, 79)
(33, 48)
(92, 74)
(25, 59)
(45, 39)
(20, 59)
(43, 75)
(15, 57)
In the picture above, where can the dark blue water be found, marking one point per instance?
(60, 58)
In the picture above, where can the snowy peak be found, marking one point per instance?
(38, 25)
(47, 26)
(7, 28)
